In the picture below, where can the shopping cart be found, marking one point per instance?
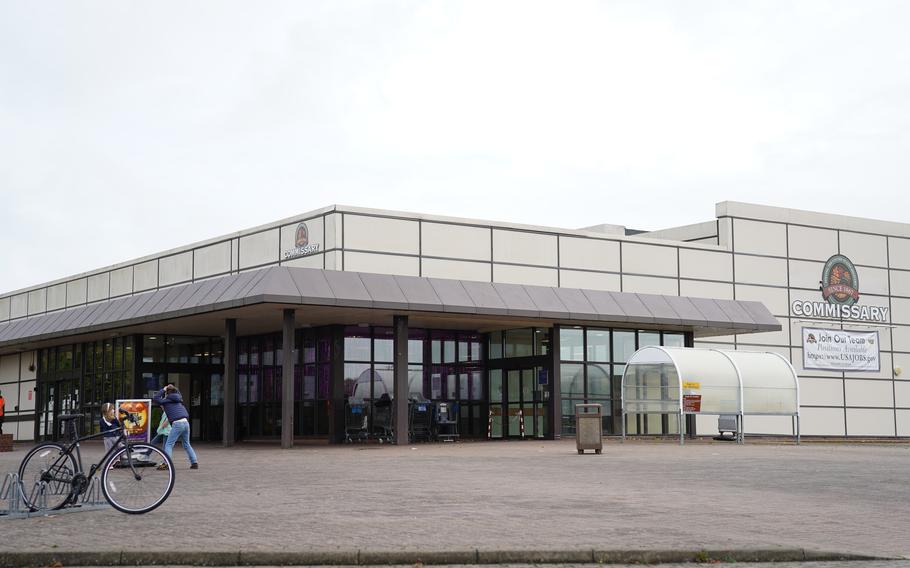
(420, 420)
(355, 421)
(383, 430)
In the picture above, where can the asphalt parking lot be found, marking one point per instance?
(487, 496)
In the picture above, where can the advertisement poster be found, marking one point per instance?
(141, 409)
(691, 403)
(691, 400)
(840, 350)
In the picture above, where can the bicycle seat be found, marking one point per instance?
(67, 417)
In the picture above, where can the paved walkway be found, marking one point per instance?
(645, 495)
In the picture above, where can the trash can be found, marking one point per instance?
(589, 428)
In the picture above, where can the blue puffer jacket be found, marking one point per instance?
(172, 405)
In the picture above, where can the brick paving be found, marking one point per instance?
(850, 498)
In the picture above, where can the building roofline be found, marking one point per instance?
(741, 210)
(593, 234)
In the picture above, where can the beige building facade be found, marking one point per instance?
(781, 258)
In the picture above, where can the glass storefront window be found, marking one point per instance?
(64, 358)
(495, 345)
(572, 380)
(383, 345)
(323, 349)
(674, 340)
(357, 345)
(648, 338)
(451, 384)
(153, 349)
(118, 354)
(324, 382)
(108, 355)
(43, 361)
(216, 394)
(448, 351)
(475, 352)
(598, 381)
(309, 382)
(268, 351)
(477, 384)
(598, 345)
(415, 350)
(128, 354)
(436, 351)
(383, 381)
(623, 345)
(519, 343)
(217, 351)
(415, 382)
(496, 385)
(571, 344)
(357, 380)
(541, 341)
(309, 350)
(254, 352)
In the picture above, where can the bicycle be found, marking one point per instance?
(132, 480)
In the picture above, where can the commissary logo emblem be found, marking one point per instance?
(840, 282)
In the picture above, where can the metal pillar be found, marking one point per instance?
(287, 380)
(336, 411)
(554, 405)
(400, 371)
(228, 426)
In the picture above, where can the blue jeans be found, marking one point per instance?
(180, 431)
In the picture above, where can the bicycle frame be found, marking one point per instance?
(73, 446)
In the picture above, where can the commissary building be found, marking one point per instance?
(310, 327)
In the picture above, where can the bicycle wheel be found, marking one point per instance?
(134, 482)
(50, 464)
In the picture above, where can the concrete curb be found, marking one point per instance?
(403, 557)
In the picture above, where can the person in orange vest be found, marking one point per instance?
(2, 404)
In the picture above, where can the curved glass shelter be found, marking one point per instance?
(684, 380)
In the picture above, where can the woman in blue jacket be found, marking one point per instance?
(171, 402)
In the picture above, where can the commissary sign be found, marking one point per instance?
(840, 290)
(302, 244)
(838, 350)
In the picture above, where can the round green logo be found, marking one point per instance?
(840, 282)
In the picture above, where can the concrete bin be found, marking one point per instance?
(589, 428)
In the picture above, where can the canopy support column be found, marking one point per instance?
(400, 371)
(228, 424)
(287, 380)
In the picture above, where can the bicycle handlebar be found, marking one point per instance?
(131, 416)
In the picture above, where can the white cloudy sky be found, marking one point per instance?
(128, 128)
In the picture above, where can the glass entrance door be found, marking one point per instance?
(203, 397)
(58, 397)
(525, 407)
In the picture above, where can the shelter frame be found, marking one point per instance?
(762, 371)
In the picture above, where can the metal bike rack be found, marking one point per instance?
(13, 493)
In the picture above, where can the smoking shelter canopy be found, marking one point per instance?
(683, 380)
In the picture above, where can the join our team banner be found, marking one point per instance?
(839, 350)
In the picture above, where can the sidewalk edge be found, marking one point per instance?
(428, 557)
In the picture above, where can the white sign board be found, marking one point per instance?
(839, 350)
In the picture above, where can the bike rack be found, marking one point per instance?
(13, 493)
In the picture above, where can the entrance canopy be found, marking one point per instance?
(681, 380)
(255, 299)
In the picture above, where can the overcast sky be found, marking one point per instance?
(128, 128)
